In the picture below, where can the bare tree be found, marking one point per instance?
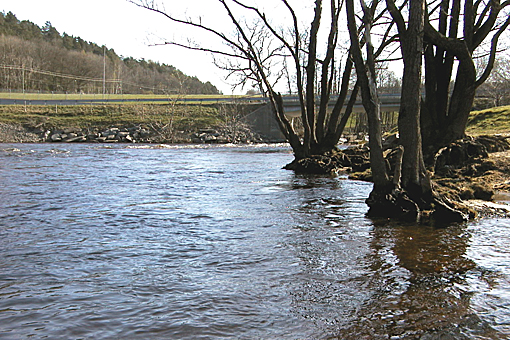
(260, 52)
(456, 32)
(366, 74)
(414, 177)
(497, 86)
(410, 191)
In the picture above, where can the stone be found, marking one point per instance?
(56, 137)
(75, 139)
(482, 192)
(210, 139)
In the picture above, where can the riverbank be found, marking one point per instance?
(178, 123)
(486, 191)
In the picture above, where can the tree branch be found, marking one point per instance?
(492, 58)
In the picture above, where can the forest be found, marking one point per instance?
(40, 59)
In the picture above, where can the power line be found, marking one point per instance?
(74, 77)
(56, 74)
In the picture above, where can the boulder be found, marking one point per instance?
(57, 137)
(75, 139)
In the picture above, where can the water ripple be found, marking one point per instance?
(186, 242)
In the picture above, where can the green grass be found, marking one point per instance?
(182, 117)
(490, 121)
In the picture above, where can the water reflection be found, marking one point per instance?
(364, 279)
(415, 272)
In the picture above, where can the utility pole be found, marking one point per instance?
(104, 71)
(23, 78)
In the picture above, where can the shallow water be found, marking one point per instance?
(158, 242)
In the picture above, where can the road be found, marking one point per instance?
(289, 101)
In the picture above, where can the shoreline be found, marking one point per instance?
(140, 133)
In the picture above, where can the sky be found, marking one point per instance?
(126, 28)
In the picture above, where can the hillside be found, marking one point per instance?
(495, 120)
(40, 59)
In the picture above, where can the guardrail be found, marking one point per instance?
(288, 100)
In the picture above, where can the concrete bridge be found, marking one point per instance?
(389, 103)
(262, 120)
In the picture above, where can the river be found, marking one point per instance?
(215, 242)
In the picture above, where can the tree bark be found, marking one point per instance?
(369, 97)
(411, 41)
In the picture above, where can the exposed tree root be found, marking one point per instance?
(460, 172)
(354, 159)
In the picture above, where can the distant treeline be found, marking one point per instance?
(34, 59)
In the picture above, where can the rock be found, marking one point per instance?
(210, 139)
(74, 139)
(482, 192)
(56, 137)
(391, 141)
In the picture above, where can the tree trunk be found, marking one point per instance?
(370, 99)
(413, 168)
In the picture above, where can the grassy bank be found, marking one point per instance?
(181, 117)
(491, 121)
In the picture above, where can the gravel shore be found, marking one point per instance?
(10, 133)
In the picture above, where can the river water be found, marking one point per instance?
(161, 242)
